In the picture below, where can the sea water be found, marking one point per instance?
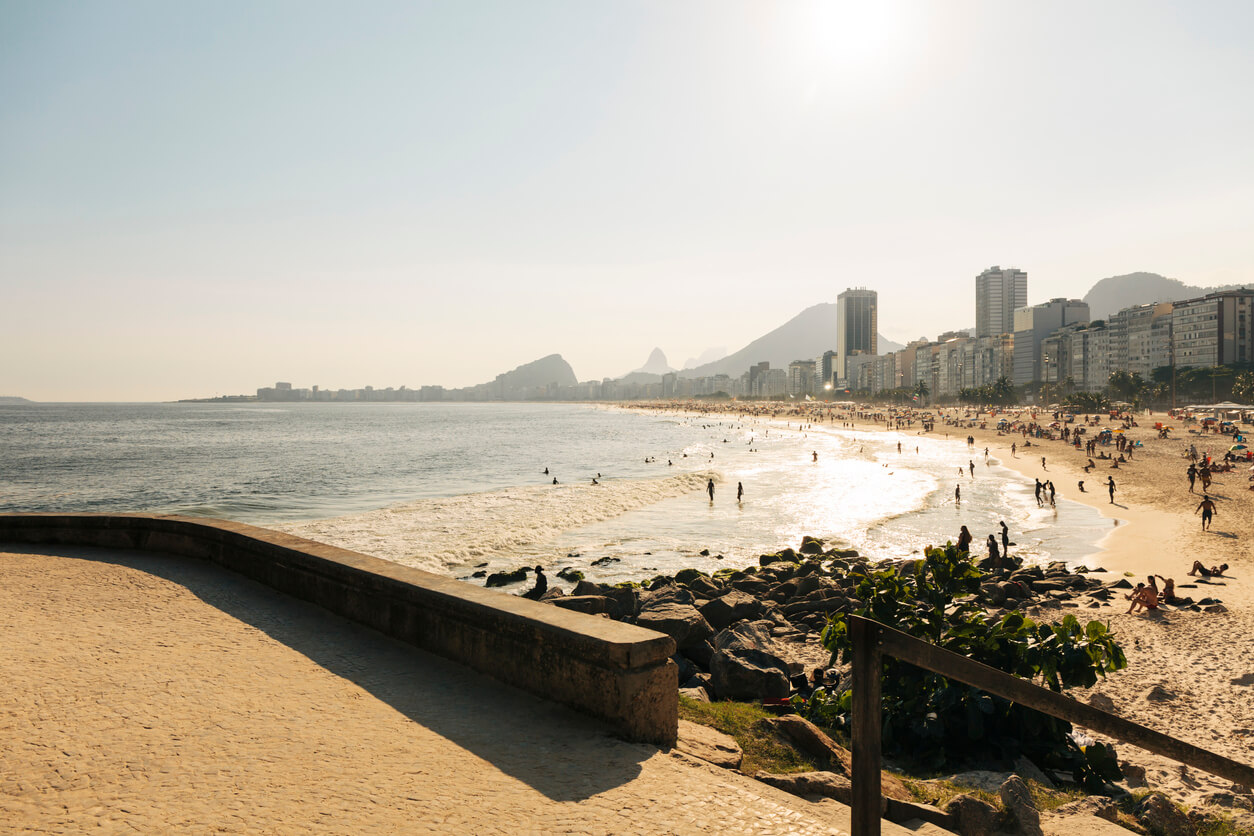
(458, 488)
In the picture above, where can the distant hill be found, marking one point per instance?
(710, 355)
(542, 372)
(1118, 292)
(804, 337)
(656, 364)
(12, 399)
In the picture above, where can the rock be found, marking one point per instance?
(982, 779)
(1014, 794)
(551, 595)
(1159, 694)
(825, 784)
(698, 694)
(590, 604)
(686, 576)
(682, 622)
(587, 588)
(971, 816)
(1027, 770)
(626, 597)
(808, 584)
(742, 669)
(701, 653)
(1158, 815)
(570, 574)
(1093, 805)
(697, 680)
(1122, 583)
(785, 556)
(605, 561)
(899, 811)
(709, 745)
(1215, 608)
(666, 594)
(480, 573)
(811, 740)
(811, 545)
(726, 610)
(705, 588)
(684, 668)
(506, 578)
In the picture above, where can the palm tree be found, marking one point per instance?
(921, 390)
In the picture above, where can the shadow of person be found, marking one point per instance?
(556, 751)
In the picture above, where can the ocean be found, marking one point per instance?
(455, 488)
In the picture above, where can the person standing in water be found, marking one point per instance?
(964, 540)
(957, 493)
(816, 455)
(709, 486)
(740, 491)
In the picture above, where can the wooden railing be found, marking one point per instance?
(872, 640)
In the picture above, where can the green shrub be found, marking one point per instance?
(935, 723)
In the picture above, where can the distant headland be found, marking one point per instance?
(13, 399)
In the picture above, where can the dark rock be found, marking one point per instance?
(704, 552)
(682, 622)
(685, 666)
(1122, 583)
(741, 667)
(971, 816)
(1018, 800)
(705, 588)
(785, 556)
(570, 574)
(686, 576)
(627, 598)
(605, 561)
(1215, 608)
(587, 588)
(479, 574)
(751, 586)
(590, 604)
(782, 592)
(808, 584)
(700, 680)
(735, 606)
(551, 595)
(506, 578)
(666, 594)
(811, 545)
(1158, 815)
(701, 653)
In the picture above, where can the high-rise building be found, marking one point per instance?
(998, 294)
(1033, 325)
(856, 324)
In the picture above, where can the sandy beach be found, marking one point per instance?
(1189, 674)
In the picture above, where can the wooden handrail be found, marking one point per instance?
(872, 640)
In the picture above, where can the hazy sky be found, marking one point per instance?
(203, 198)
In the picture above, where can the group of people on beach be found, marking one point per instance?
(1147, 596)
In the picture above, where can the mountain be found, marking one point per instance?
(12, 399)
(804, 337)
(1118, 292)
(656, 364)
(542, 372)
(710, 355)
(887, 346)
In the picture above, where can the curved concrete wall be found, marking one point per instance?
(618, 672)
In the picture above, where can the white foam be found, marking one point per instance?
(440, 534)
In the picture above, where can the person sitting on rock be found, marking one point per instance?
(1213, 572)
(541, 587)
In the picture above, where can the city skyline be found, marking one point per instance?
(196, 198)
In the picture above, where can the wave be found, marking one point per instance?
(440, 534)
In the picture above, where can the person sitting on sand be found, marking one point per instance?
(1213, 572)
(1168, 595)
(1145, 597)
(1089, 466)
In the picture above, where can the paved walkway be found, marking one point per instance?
(146, 693)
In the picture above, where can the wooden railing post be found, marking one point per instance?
(867, 668)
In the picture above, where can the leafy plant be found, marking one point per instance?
(933, 722)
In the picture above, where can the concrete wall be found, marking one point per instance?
(618, 672)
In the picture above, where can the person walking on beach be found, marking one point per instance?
(971, 464)
(1207, 507)
(1110, 484)
(957, 494)
(1043, 467)
(709, 486)
(1192, 474)
(1038, 493)
(1050, 487)
(1013, 447)
(816, 455)
(740, 491)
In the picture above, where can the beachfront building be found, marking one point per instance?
(824, 371)
(857, 319)
(801, 378)
(1032, 325)
(998, 294)
(769, 383)
(1213, 330)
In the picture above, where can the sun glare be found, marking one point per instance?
(850, 34)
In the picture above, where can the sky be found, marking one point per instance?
(201, 198)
